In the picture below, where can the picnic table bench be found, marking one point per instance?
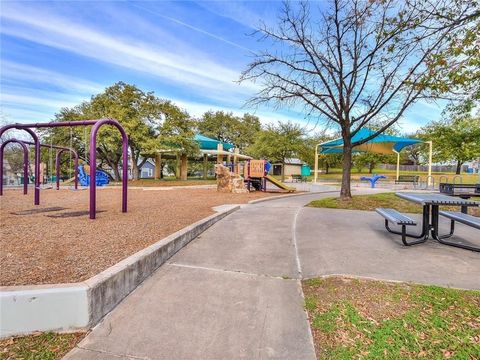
(407, 179)
(461, 190)
(397, 218)
(299, 178)
(430, 218)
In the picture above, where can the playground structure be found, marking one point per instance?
(96, 125)
(101, 177)
(256, 175)
(373, 179)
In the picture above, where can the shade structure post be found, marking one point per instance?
(315, 176)
(93, 164)
(25, 163)
(205, 166)
(430, 157)
(36, 200)
(398, 164)
(235, 161)
(219, 155)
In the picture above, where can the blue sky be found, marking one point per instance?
(57, 54)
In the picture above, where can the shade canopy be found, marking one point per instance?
(381, 144)
(206, 143)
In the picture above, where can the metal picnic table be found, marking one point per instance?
(430, 220)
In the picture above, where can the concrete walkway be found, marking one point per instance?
(235, 292)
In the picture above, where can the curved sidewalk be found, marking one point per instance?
(235, 292)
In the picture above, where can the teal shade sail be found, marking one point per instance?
(382, 143)
(206, 143)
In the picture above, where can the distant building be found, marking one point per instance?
(293, 166)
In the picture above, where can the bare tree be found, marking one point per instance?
(354, 62)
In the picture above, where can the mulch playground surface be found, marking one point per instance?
(56, 242)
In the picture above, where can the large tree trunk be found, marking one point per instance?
(134, 169)
(459, 167)
(370, 167)
(345, 192)
(283, 171)
(158, 166)
(183, 167)
(116, 173)
(177, 166)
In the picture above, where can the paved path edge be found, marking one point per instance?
(76, 306)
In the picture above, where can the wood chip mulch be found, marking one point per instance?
(39, 245)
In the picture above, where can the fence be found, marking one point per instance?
(424, 168)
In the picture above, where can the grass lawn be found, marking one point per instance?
(385, 200)
(44, 346)
(366, 319)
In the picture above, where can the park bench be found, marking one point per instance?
(407, 179)
(397, 218)
(463, 218)
(298, 178)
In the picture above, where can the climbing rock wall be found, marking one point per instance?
(228, 181)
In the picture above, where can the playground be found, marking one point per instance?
(57, 242)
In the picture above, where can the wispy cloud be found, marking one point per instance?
(64, 34)
(41, 101)
(15, 72)
(201, 31)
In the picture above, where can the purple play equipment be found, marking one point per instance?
(25, 164)
(58, 155)
(96, 124)
(36, 200)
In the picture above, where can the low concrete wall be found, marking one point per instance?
(63, 307)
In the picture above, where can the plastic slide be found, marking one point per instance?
(279, 183)
(101, 177)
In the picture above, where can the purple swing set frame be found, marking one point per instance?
(96, 124)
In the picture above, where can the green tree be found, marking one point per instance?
(278, 143)
(224, 126)
(141, 114)
(351, 62)
(455, 139)
(176, 133)
(370, 160)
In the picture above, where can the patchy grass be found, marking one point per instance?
(365, 319)
(385, 200)
(44, 346)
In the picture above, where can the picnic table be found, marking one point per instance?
(430, 219)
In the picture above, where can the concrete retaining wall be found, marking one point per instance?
(63, 307)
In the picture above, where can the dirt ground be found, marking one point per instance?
(56, 242)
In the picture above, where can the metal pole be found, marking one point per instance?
(316, 164)
(25, 163)
(430, 156)
(398, 163)
(93, 163)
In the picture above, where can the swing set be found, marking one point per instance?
(96, 125)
